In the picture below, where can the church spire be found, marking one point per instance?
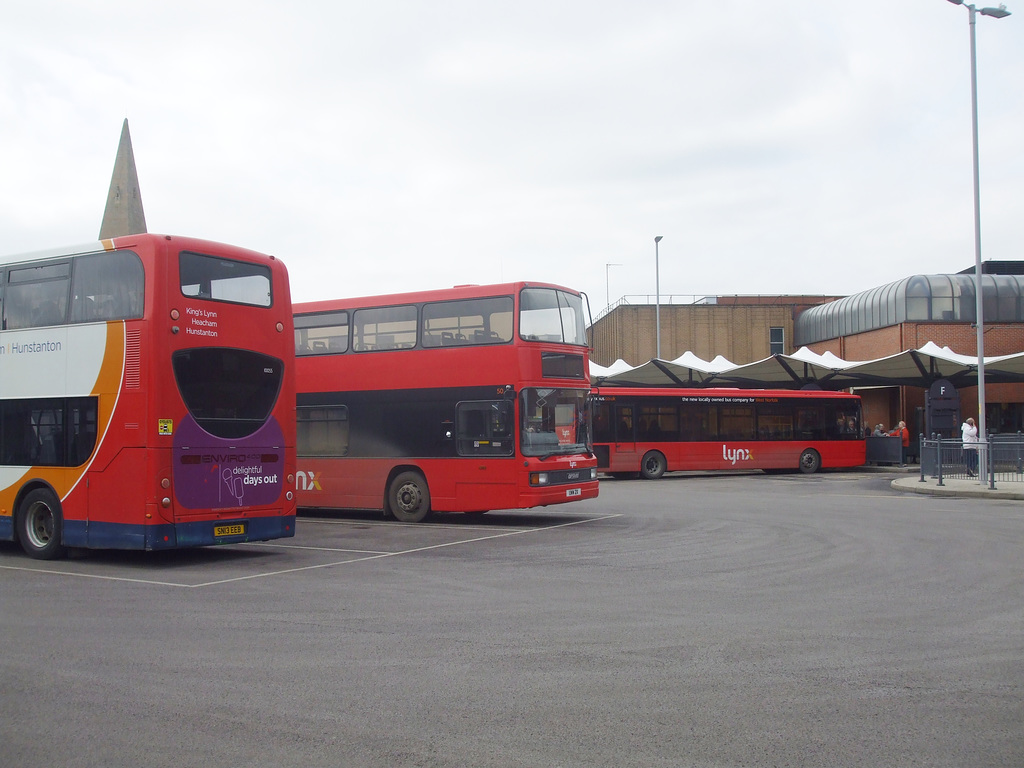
(123, 214)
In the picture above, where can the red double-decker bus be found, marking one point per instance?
(462, 400)
(146, 396)
(653, 431)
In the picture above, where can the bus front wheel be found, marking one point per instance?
(409, 497)
(653, 465)
(40, 525)
(810, 461)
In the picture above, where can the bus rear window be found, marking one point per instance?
(229, 392)
(217, 279)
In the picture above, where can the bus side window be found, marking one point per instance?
(323, 431)
(484, 428)
(35, 297)
(81, 428)
(321, 334)
(469, 321)
(698, 422)
(51, 432)
(385, 328)
(603, 424)
(50, 428)
(107, 286)
(20, 441)
(809, 424)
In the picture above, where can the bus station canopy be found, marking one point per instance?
(805, 369)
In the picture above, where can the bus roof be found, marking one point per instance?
(53, 253)
(719, 392)
(125, 241)
(416, 297)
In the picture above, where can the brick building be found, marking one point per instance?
(739, 328)
(876, 323)
(911, 312)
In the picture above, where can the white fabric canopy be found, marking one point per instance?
(807, 369)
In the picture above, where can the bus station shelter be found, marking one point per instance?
(808, 370)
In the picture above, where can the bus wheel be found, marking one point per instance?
(40, 525)
(409, 497)
(653, 465)
(810, 461)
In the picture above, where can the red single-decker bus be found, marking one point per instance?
(653, 431)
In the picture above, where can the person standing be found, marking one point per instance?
(969, 435)
(903, 434)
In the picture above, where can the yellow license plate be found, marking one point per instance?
(235, 529)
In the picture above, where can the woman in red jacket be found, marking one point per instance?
(904, 434)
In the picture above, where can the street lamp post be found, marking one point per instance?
(997, 13)
(607, 284)
(657, 298)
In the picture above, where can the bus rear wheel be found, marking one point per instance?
(40, 525)
(653, 465)
(810, 461)
(409, 497)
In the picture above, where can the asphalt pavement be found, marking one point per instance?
(706, 621)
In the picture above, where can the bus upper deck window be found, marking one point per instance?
(219, 279)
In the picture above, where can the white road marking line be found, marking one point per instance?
(369, 555)
(153, 582)
(381, 556)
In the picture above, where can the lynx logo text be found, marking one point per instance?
(307, 481)
(733, 455)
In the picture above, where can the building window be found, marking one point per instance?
(776, 341)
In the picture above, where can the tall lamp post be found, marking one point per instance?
(996, 13)
(607, 284)
(657, 298)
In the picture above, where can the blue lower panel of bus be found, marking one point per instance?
(117, 536)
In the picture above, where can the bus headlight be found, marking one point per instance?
(593, 473)
(538, 478)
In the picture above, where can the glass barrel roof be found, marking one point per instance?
(915, 299)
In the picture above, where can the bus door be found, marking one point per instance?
(625, 436)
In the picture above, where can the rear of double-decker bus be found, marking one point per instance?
(147, 397)
(553, 391)
(222, 405)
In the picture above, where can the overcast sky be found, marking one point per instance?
(779, 147)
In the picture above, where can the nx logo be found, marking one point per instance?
(307, 481)
(732, 455)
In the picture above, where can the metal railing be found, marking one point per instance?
(999, 458)
(651, 299)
